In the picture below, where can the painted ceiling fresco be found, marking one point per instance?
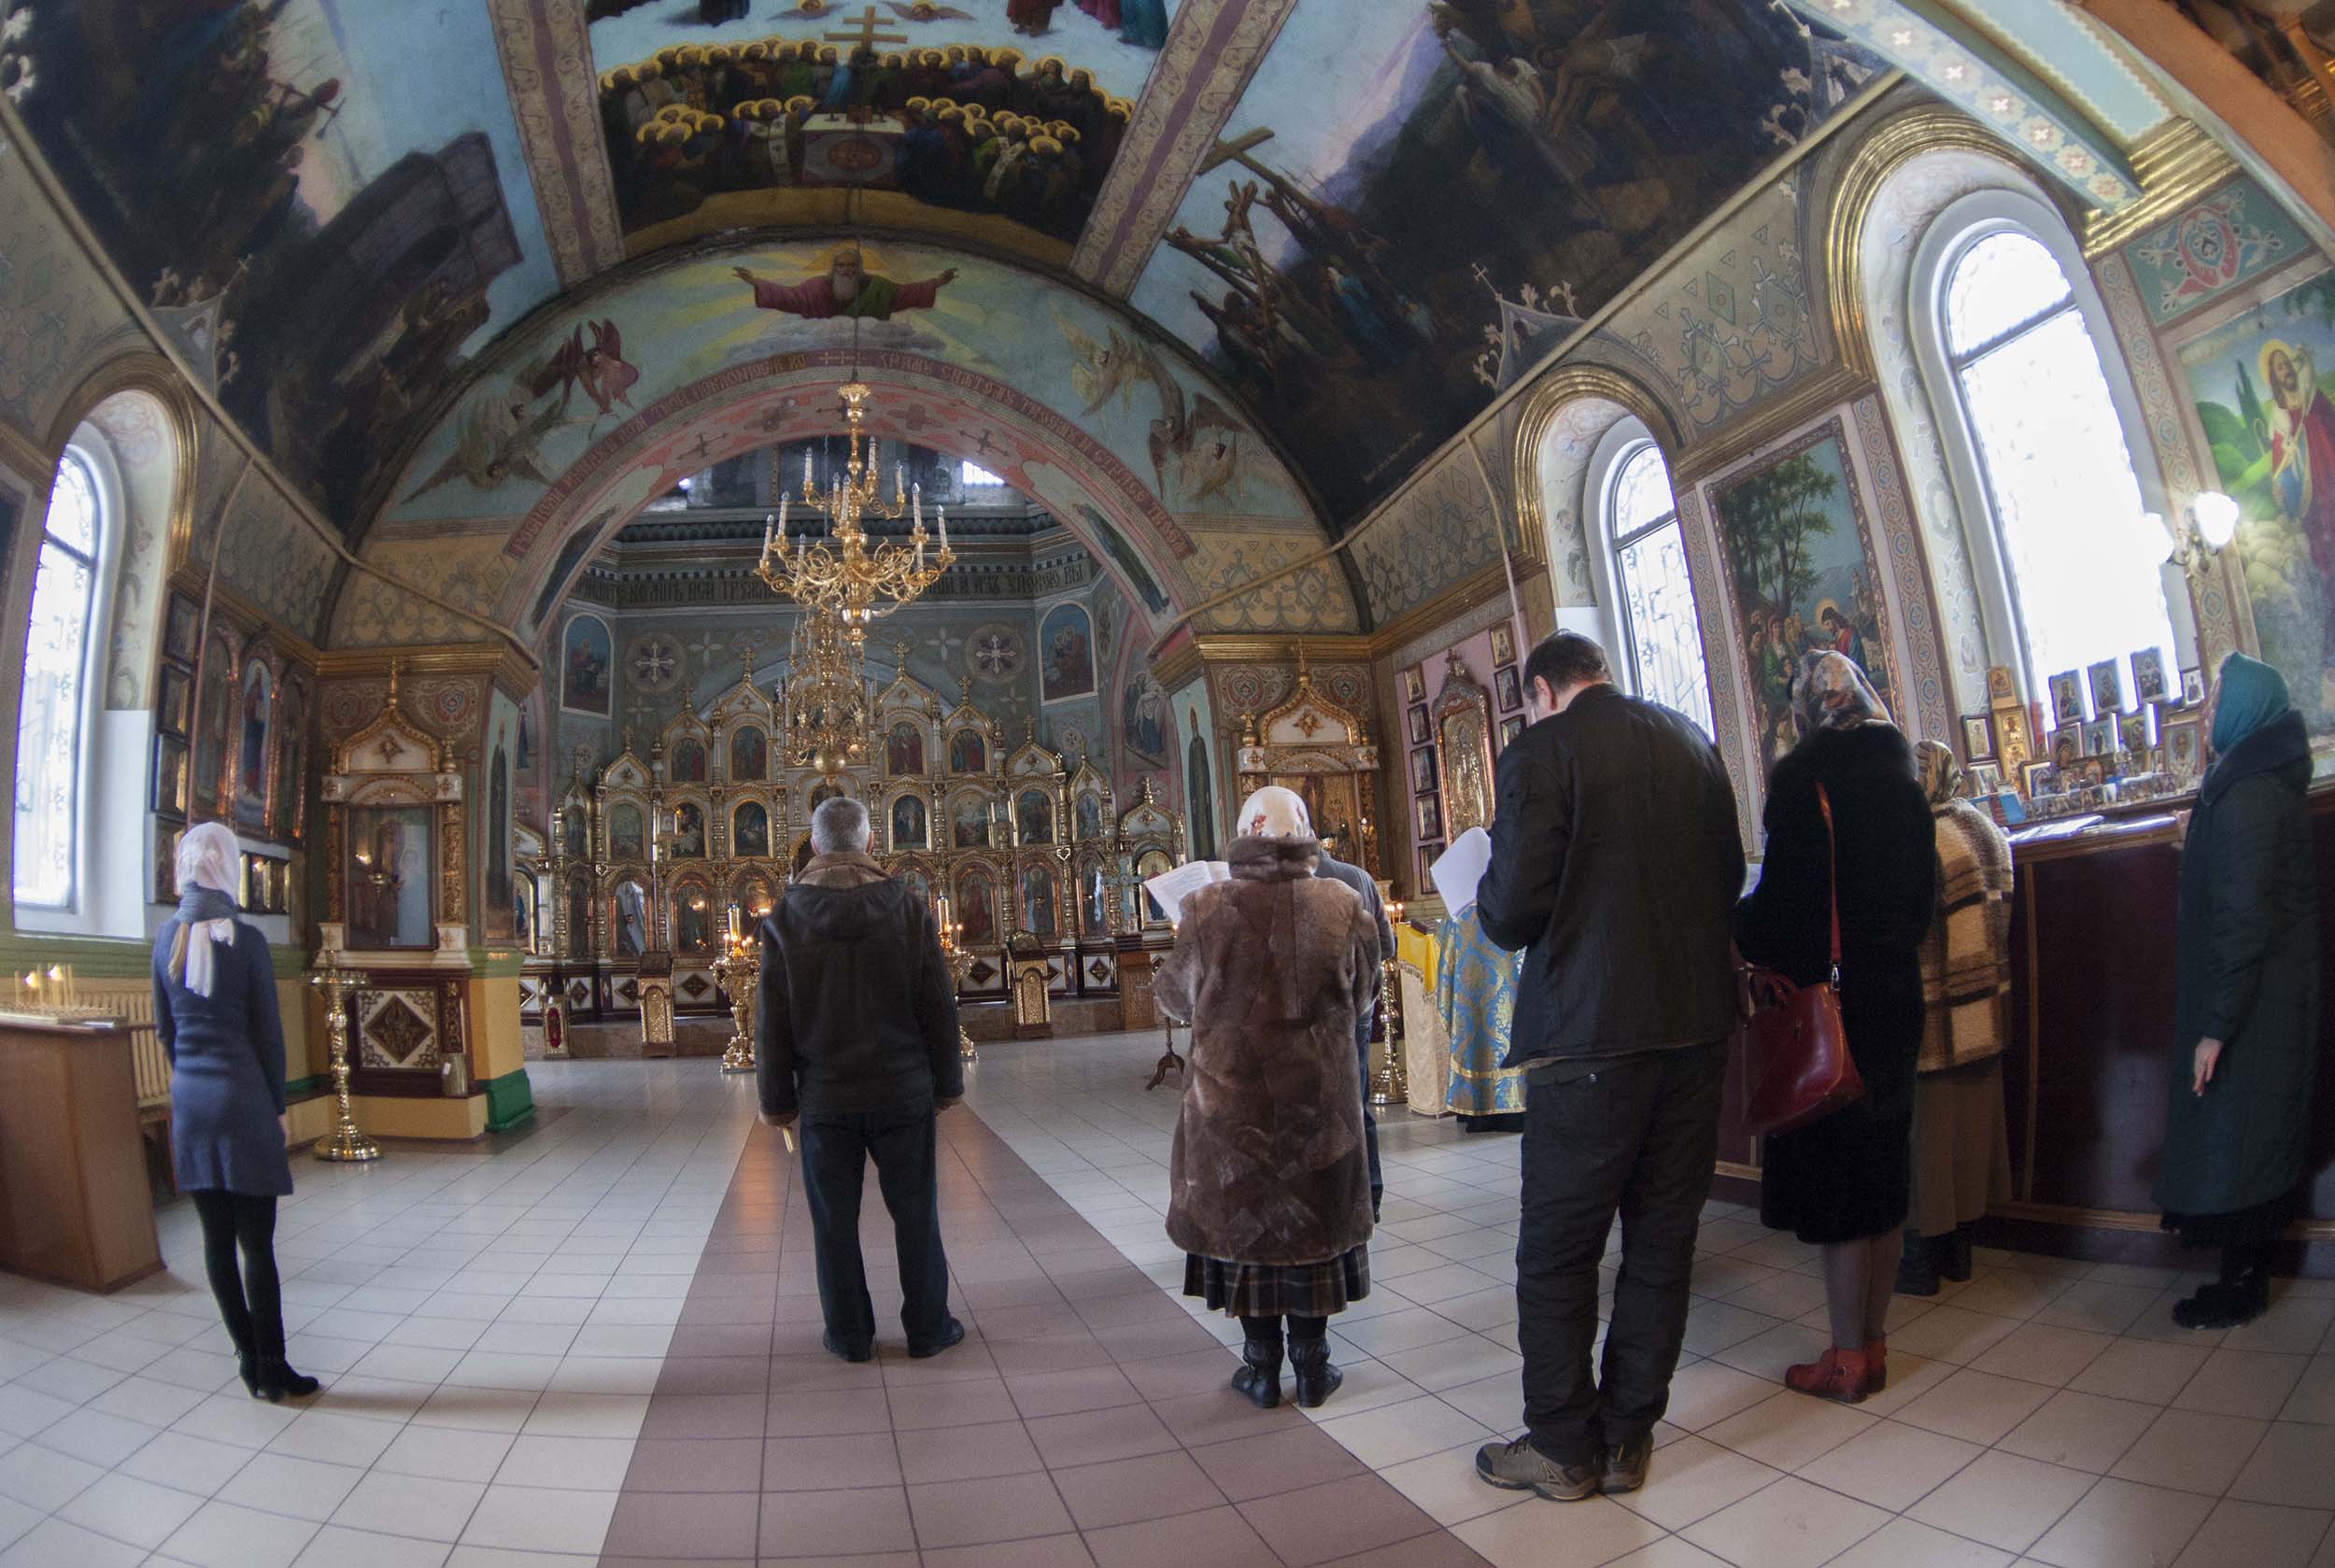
(588, 413)
(1367, 267)
(323, 202)
(997, 120)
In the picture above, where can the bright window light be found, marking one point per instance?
(973, 474)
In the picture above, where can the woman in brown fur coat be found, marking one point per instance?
(1271, 1179)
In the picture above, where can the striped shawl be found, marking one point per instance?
(1966, 957)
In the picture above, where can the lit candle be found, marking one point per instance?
(733, 923)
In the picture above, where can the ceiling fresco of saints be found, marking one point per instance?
(995, 119)
(1368, 268)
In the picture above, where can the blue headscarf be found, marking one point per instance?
(2249, 695)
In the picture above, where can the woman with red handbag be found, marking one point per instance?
(1850, 870)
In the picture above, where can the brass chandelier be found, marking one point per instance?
(840, 577)
(826, 696)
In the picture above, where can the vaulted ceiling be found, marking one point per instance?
(1210, 278)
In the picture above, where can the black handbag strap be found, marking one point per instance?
(1831, 876)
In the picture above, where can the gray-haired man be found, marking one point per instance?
(857, 1036)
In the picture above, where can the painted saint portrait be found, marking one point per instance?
(251, 751)
(1037, 901)
(1791, 534)
(904, 751)
(1066, 654)
(1033, 817)
(690, 924)
(750, 831)
(749, 754)
(686, 763)
(630, 923)
(388, 877)
(967, 753)
(1145, 722)
(976, 907)
(587, 657)
(1088, 824)
(2264, 389)
(968, 823)
(908, 823)
(688, 830)
(627, 834)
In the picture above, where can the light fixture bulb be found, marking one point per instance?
(2216, 519)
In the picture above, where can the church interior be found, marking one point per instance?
(509, 461)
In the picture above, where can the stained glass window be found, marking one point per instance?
(1662, 637)
(50, 751)
(2084, 558)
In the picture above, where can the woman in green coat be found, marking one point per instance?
(2247, 1021)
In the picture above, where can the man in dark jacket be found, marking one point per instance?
(1368, 890)
(857, 1036)
(1616, 862)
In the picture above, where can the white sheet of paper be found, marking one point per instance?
(1169, 889)
(1459, 869)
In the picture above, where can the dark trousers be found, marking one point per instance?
(1637, 1139)
(836, 1147)
(1370, 1123)
(252, 1303)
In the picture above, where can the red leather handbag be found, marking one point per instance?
(1798, 1054)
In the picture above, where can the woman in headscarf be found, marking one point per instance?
(2246, 1013)
(1269, 1182)
(1847, 816)
(215, 1011)
(1961, 1139)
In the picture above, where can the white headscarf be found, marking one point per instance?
(1274, 813)
(208, 861)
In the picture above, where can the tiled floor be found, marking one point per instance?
(600, 1338)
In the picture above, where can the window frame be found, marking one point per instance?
(1601, 484)
(1957, 228)
(95, 461)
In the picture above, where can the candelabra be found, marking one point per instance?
(344, 1143)
(738, 970)
(1391, 1084)
(960, 960)
(843, 576)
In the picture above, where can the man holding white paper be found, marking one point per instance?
(1615, 859)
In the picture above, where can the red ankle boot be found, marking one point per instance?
(1837, 1375)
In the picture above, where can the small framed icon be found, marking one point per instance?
(173, 699)
(1503, 643)
(1985, 779)
(179, 628)
(1977, 736)
(2001, 690)
(1510, 729)
(2066, 698)
(2099, 738)
(2106, 679)
(2192, 688)
(2149, 676)
(1414, 686)
(2041, 778)
(1420, 732)
(1422, 771)
(1506, 689)
(1430, 818)
(170, 775)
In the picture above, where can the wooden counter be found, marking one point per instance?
(74, 1203)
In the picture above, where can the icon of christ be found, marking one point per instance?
(846, 290)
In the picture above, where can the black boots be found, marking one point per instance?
(1917, 1267)
(1260, 1373)
(1317, 1380)
(276, 1381)
(1954, 1260)
(2229, 1302)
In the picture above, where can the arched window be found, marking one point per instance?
(53, 723)
(2072, 567)
(1662, 640)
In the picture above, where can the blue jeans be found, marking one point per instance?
(836, 1147)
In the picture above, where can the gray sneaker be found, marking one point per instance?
(1518, 1466)
(1626, 1464)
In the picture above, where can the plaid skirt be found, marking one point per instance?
(1270, 1290)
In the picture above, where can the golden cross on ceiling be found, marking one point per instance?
(866, 37)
